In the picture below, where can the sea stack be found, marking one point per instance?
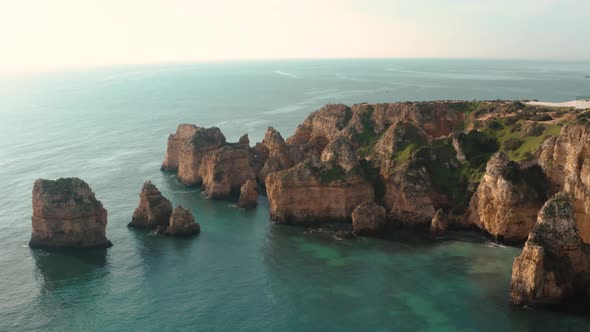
(182, 223)
(154, 209)
(248, 195)
(66, 214)
(555, 263)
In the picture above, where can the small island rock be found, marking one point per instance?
(182, 223)
(154, 209)
(66, 214)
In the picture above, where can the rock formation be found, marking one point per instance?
(508, 199)
(153, 210)
(566, 161)
(244, 140)
(175, 142)
(313, 192)
(66, 214)
(182, 223)
(439, 223)
(555, 263)
(412, 158)
(193, 150)
(368, 218)
(248, 195)
(225, 170)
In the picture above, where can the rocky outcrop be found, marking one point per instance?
(175, 142)
(248, 195)
(225, 170)
(313, 192)
(408, 196)
(368, 218)
(194, 149)
(508, 199)
(244, 140)
(555, 263)
(439, 223)
(66, 214)
(566, 161)
(153, 210)
(182, 223)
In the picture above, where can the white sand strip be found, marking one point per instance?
(580, 104)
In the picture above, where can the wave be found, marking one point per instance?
(282, 73)
(284, 109)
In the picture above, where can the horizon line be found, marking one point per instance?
(97, 66)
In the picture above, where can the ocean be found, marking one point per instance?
(109, 126)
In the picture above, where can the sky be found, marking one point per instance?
(45, 34)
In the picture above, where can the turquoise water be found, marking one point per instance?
(242, 273)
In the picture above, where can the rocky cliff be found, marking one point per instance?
(153, 210)
(314, 192)
(508, 199)
(411, 158)
(566, 162)
(555, 263)
(66, 214)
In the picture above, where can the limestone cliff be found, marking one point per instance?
(66, 214)
(566, 161)
(153, 210)
(225, 170)
(194, 149)
(555, 263)
(313, 192)
(175, 142)
(508, 199)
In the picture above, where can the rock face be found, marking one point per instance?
(566, 161)
(153, 210)
(368, 218)
(248, 195)
(225, 170)
(439, 223)
(555, 263)
(312, 192)
(193, 150)
(182, 223)
(175, 142)
(508, 199)
(66, 214)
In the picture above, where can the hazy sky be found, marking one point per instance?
(70, 33)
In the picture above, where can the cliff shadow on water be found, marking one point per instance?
(65, 267)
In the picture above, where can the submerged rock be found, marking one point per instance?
(368, 218)
(182, 223)
(248, 195)
(66, 214)
(342, 235)
(154, 209)
(555, 263)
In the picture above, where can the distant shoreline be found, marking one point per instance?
(580, 104)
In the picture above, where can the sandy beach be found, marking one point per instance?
(579, 104)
